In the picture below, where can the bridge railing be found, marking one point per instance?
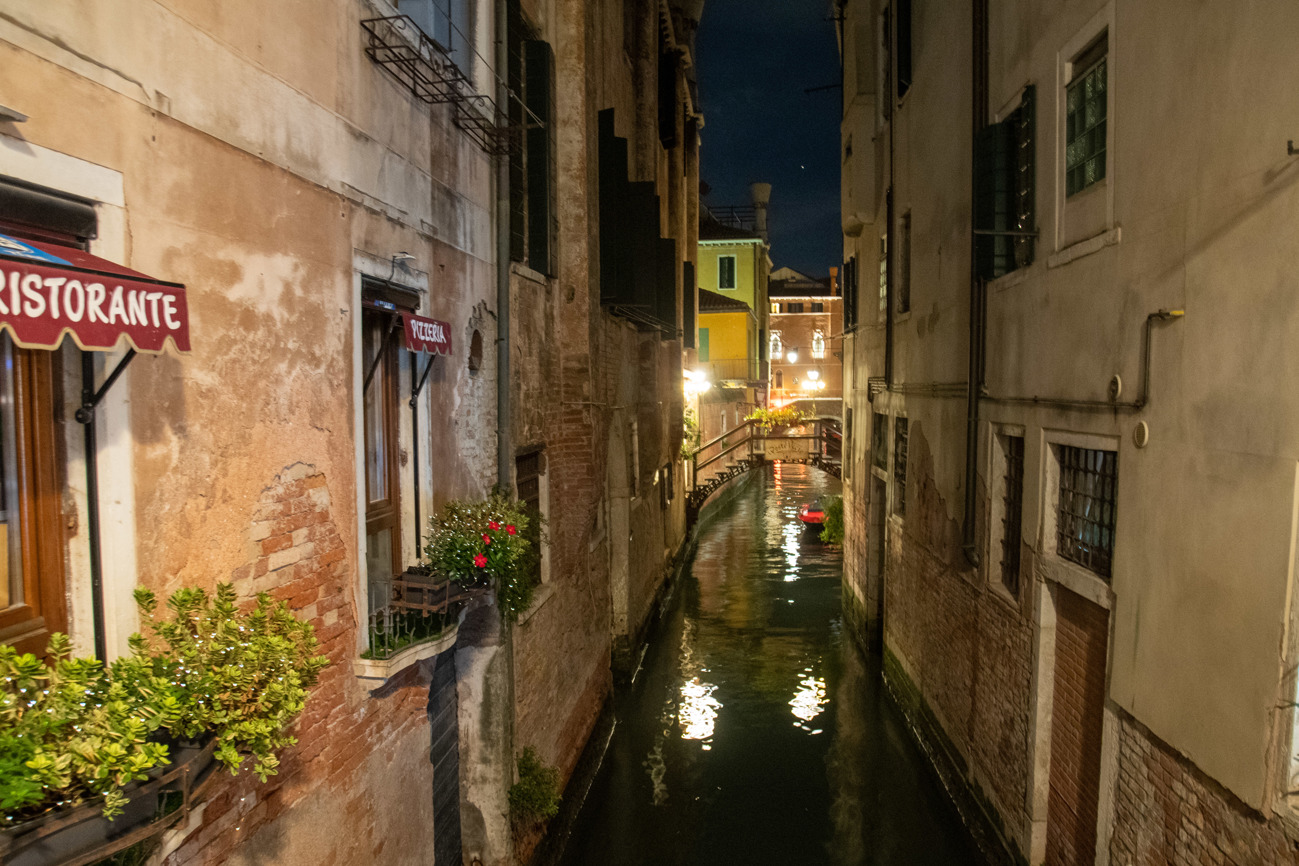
(748, 445)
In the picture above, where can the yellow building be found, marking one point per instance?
(734, 266)
(728, 340)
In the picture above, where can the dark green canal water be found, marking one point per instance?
(755, 731)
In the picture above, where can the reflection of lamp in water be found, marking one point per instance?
(809, 700)
(698, 712)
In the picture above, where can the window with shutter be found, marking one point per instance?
(1005, 194)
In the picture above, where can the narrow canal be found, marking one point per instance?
(755, 731)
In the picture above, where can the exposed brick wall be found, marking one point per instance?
(1077, 717)
(346, 736)
(1169, 812)
(967, 648)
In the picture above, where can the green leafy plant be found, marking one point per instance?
(788, 416)
(690, 436)
(71, 731)
(496, 539)
(535, 796)
(241, 677)
(832, 523)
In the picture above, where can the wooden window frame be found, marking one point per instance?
(39, 460)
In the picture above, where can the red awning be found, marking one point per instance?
(48, 290)
(427, 335)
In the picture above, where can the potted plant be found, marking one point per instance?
(777, 420)
(95, 758)
(495, 540)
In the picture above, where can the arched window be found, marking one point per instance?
(818, 343)
(780, 379)
(775, 348)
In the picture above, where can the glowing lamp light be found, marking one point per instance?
(792, 356)
(696, 382)
(813, 374)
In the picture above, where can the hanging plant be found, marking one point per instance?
(495, 540)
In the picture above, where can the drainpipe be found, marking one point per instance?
(503, 447)
(979, 114)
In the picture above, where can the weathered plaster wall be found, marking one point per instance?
(1196, 213)
(266, 162)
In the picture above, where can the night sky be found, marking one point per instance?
(754, 58)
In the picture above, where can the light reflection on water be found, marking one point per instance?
(698, 710)
(810, 700)
(755, 733)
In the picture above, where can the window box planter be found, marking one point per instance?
(419, 622)
(82, 835)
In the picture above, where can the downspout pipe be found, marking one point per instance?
(504, 448)
(977, 337)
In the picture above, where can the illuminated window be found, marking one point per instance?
(775, 307)
(775, 348)
(818, 344)
(884, 275)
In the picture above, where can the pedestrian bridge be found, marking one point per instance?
(817, 442)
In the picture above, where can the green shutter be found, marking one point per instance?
(703, 344)
(540, 65)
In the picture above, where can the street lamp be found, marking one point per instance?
(792, 356)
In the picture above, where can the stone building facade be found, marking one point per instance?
(315, 200)
(1070, 493)
(806, 344)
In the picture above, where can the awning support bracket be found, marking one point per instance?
(90, 400)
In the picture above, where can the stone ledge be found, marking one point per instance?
(1093, 244)
(384, 669)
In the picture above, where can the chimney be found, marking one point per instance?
(761, 193)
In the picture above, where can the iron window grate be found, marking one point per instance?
(1085, 514)
(900, 431)
(1012, 513)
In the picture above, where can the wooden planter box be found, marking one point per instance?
(83, 835)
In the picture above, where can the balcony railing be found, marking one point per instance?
(732, 369)
(412, 608)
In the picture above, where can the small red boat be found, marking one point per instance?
(811, 514)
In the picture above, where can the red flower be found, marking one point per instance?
(480, 561)
(487, 539)
(511, 530)
(493, 526)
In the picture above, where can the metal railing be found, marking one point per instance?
(415, 607)
(746, 447)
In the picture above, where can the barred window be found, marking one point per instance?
(1085, 110)
(528, 471)
(1085, 513)
(900, 466)
(1012, 511)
